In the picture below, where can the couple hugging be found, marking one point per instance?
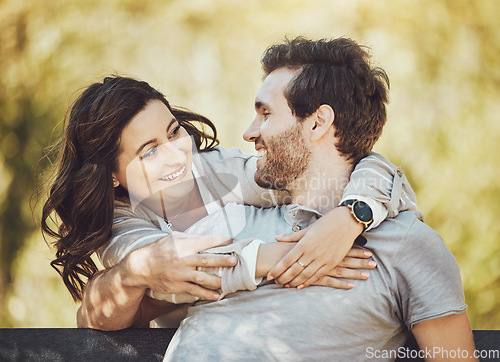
(187, 230)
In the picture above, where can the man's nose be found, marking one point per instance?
(253, 131)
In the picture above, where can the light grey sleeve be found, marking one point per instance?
(231, 173)
(382, 185)
(237, 277)
(429, 285)
(129, 232)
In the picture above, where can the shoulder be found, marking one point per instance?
(229, 161)
(407, 224)
(416, 253)
(219, 153)
(376, 157)
(123, 212)
(420, 236)
(406, 238)
(429, 284)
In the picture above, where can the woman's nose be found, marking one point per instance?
(172, 154)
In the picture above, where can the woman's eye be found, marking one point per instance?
(150, 152)
(266, 114)
(175, 131)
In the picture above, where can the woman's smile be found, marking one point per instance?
(177, 175)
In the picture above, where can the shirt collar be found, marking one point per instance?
(298, 215)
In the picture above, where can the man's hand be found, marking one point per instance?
(169, 265)
(320, 249)
(115, 297)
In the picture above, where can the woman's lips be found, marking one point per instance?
(175, 175)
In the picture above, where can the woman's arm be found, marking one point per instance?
(231, 173)
(323, 245)
(254, 264)
(350, 267)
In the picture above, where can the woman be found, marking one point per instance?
(113, 167)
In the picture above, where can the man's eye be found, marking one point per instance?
(266, 114)
(150, 152)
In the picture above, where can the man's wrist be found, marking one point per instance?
(131, 272)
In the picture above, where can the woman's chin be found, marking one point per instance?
(178, 190)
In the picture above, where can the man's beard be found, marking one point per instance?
(287, 159)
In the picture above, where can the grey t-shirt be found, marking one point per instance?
(416, 279)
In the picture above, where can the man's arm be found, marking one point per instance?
(109, 304)
(115, 298)
(448, 337)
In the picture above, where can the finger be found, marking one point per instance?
(285, 263)
(291, 273)
(182, 235)
(323, 271)
(359, 253)
(205, 279)
(331, 282)
(210, 260)
(210, 241)
(305, 274)
(200, 292)
(338, 272)
(296, 236)
(200, 243)
(348, 273)
(357, 263)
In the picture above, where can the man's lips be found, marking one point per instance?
(261, 153)
(174, 175)
(261, 150)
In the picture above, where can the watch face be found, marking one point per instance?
(362, 211)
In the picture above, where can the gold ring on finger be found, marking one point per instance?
(301, 264)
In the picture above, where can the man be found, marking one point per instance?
(319, 111)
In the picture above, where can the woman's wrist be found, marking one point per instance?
(353, 227)
(268, 255)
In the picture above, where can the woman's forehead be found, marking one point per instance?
(145, 125)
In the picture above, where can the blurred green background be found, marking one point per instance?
(442, 58)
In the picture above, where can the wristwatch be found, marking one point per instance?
(361, 212)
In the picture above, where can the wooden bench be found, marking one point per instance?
(71, 344)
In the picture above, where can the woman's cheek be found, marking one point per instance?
(139, 180)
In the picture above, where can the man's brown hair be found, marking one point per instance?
(338, 73)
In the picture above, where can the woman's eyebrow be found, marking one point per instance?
(172, 121)
(144, 145)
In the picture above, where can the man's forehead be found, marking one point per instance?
(274, 85)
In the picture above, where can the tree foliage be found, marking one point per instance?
(441, 55)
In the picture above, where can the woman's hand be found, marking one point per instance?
(320, 249)
(169, 265)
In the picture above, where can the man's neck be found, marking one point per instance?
(321, 186)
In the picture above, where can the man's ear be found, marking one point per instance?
(323, 120)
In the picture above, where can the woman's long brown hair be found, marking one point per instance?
(78, 212)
